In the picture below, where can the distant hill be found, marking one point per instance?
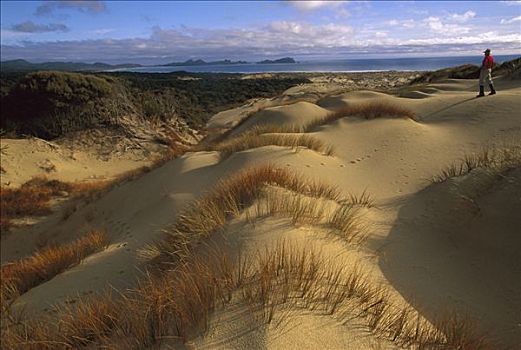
(280, 60)
(200, 62)
(23, 65)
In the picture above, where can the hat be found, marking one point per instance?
(487, 50)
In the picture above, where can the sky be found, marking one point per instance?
(156, 32)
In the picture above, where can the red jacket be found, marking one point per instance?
(488, 62)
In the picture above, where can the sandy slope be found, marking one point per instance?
(418, 248)
(23, 159)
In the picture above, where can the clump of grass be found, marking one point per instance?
(227, 200)
(249, 140)
(175, 305)
(20, 276)
(343, 219)
(495, 159)
(179, 303)
(363, 199)
(32, 198)
(367, 110)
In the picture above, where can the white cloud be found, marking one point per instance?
(511, 20)
(437, 26)
(313, 5)
(406, 23)
(482, 38)
(277, 39)
(463, 17)
(101, 31)
(512, 2)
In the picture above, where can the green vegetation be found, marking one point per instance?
(49, 104)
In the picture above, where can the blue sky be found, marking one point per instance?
(163, 31)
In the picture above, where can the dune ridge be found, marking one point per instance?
(390, 242)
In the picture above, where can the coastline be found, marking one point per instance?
(414, 64)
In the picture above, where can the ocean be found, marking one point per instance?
(351, 65)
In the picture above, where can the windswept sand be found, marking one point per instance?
(428, 245)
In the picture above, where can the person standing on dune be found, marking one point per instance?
(485, 73)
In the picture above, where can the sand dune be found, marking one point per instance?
(437, 248)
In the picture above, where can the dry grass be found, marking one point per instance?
(368, 110)
(249, 141)
(227, 200)
(495, 159)
(20, 276)
(241, 122)
(34, 197)
(343, 220)
(178, 304)
(31, 199)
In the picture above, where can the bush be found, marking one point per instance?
(51, 104)
(39, 103)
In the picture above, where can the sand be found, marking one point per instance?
(427, 244)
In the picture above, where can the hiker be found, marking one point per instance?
(485, 73)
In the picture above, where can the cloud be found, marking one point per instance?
(101, 31)
(511, 20)
(91, 6)
(512, 3)
(406, 23)
(463, 17)
(31, 27)
(313, 5)
(437, 26)
(277, 39)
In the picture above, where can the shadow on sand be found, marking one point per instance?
(444, 255)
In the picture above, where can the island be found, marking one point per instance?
(280, 60)
(200, 62)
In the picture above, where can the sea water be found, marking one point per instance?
(348, 65)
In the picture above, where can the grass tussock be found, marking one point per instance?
(20, 276)
(249, 141)
(367, 110)
(494, 159)
(343, 220)
(226, 201)
(178, 304)
(31, 199)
